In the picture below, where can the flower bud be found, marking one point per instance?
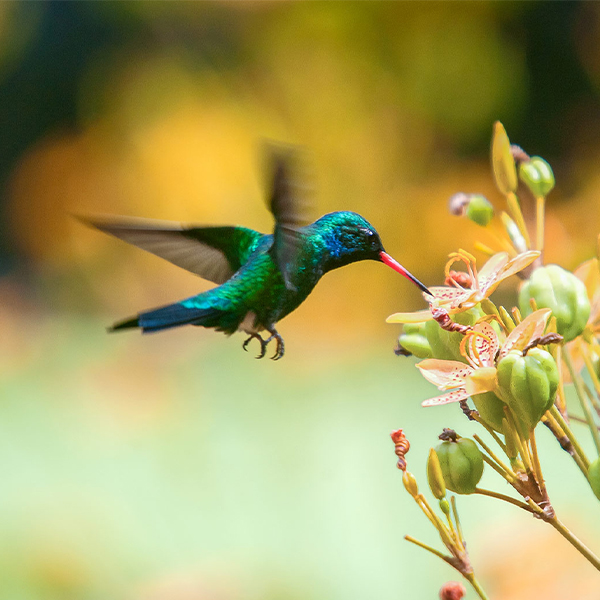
(594, 477)
(414, 341)
(490, 409)
(435, 476)
(479, 210)
(410, 483)
(503, 163)
(559, 290)
(445, 345)
(452, 590)
(528, 385)
(461, 463)
(537, 175)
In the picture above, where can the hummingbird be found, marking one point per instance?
(260, 278)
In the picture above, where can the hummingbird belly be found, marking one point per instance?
(248, 324)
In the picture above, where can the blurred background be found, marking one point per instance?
(176, 466)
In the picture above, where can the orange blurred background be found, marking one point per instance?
(176, 466)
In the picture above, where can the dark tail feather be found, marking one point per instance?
(127, 324)
(170, 316)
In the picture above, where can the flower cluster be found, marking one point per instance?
(512, 364)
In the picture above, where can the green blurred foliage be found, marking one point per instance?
(176, 466)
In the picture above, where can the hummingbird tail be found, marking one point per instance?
(126, 324)
(170, 316)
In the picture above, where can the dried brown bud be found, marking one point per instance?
(402, 446)
(457, 205)
(461, 278)
(452, 590)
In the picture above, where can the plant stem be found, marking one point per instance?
(582, 399)
(576, 542)
(569, 433)
(536, 465)
(515, 209)
(423, 545)
(540, 203)
(590, 368)
(492, 455)
(471, 579)
(503, 497)
(550, 422)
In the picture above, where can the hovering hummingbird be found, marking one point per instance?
(260, 278)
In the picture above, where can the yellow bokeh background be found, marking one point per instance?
(175, 466)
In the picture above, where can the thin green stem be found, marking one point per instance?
(504, 498)
(540, 204)
(536, 465)
(423, 545)
(569, 433)
(550, 422)
(476, 586)
(497, 439)
(504, 467)
(582, 399)
(504, 474)
(590, 369)
(575, 541)
(514, 208)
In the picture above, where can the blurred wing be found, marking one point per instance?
(289, 202)
(213, 253)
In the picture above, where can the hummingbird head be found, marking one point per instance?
(350, 238)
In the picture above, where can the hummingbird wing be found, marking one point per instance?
(290, 205)
(214, 253)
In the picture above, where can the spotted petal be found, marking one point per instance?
(445, 374)
(453, 396)
(488, 274)
(530, 328)
(483, 348)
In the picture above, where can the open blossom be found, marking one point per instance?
(468, 289)
(482, 350)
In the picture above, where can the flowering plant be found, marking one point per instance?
(512, 365)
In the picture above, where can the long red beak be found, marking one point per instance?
(390, 262)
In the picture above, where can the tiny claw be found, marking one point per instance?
(263, 344)
(280, 350)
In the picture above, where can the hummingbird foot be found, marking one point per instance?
(279, 352)
(263, 344)
(280, 345)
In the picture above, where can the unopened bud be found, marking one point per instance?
(435, 476)
(594, 477)
(410, 483)
(413, 341)
(479, 210)
(503, 163)
(563, 293)
(461, 463)
(537, 175)
(528, 385)
(452, 590)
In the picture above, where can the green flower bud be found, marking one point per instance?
(435, 476)
(528, 385)
(594, 477)
(537, 175)
(461, 463)
(490, 409)
(445, 345)
(554, 288)
(503, 163)
(413, 340)
(410, 483)
(479, 210)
